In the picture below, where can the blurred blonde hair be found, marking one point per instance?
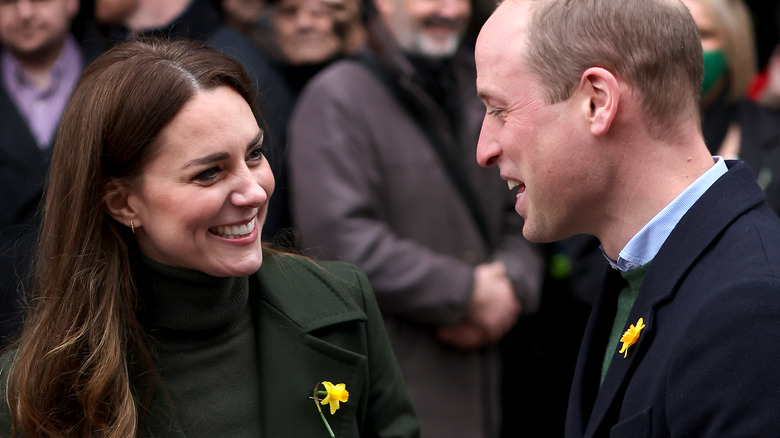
(734, 27)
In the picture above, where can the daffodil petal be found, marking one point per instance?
(335, 394)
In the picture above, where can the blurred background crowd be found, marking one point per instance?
(372, 119)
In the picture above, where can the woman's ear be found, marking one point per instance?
(601, 97)
(117, 205)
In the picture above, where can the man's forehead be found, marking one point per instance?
(504, 31)
(509, 19)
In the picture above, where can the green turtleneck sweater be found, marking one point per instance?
(205, 347)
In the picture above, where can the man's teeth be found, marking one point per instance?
(233, 231)
(512, 184)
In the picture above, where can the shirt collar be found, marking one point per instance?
(69, 59)
(643, 247)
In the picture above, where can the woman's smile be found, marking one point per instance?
(234, 231)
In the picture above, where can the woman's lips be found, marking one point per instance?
(234, 231)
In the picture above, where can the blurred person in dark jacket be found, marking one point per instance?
(383, 175)
(40, 62)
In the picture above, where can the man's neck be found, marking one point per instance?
(647, 186)
(37, 67)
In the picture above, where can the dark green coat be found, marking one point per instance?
(317, 321)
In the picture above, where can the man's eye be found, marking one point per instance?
(494, 111)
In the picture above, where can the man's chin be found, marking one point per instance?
(437, 47)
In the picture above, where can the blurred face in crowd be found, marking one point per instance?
(716, 64)
(34, 28)
(430, 28)
(202, 200)
(243, 12)
(710, 40)
(343, 11)
(114, 12)
(305, 31)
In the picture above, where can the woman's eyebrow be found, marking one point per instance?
(208, 159)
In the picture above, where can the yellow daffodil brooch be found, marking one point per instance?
(332, 395)
(631, 336)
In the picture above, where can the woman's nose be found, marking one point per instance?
(248, 191)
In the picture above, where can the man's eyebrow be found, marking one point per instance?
(485, 94)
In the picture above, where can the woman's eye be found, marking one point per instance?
(207, 175)
(256, 154)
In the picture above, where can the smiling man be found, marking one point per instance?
(40, 62)
(381, 159)
(593, 121)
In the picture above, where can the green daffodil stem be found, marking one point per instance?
(319, 409)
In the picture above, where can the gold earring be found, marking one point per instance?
(132, 227)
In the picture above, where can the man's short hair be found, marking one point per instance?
(653, 45)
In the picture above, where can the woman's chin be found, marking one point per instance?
(240, 268)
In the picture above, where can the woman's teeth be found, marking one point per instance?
(234, 231)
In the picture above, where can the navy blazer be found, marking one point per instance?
(707, 363)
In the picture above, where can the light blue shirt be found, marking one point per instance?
(643, 247)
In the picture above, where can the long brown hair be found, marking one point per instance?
(71, 375)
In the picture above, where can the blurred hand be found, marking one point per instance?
(492, 312)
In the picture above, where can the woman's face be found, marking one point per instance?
(710, 40)
(305, 31)
(202, 199)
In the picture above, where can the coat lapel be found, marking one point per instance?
(293, 338)
(585, 385)
(698, 228)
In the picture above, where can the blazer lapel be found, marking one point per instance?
(585, 385)
(697, 229)
(294, 360)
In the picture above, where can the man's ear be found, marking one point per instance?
(117, 205)
(600, 93)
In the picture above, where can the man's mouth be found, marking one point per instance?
(234, 231)
(513, 184)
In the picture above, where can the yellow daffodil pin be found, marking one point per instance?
(336, 394)
(333, 395)
(631, 336)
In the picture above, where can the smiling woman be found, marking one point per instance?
(154, 295)
(211, 151)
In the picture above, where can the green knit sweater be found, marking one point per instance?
(625, 301)
(205, 348)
